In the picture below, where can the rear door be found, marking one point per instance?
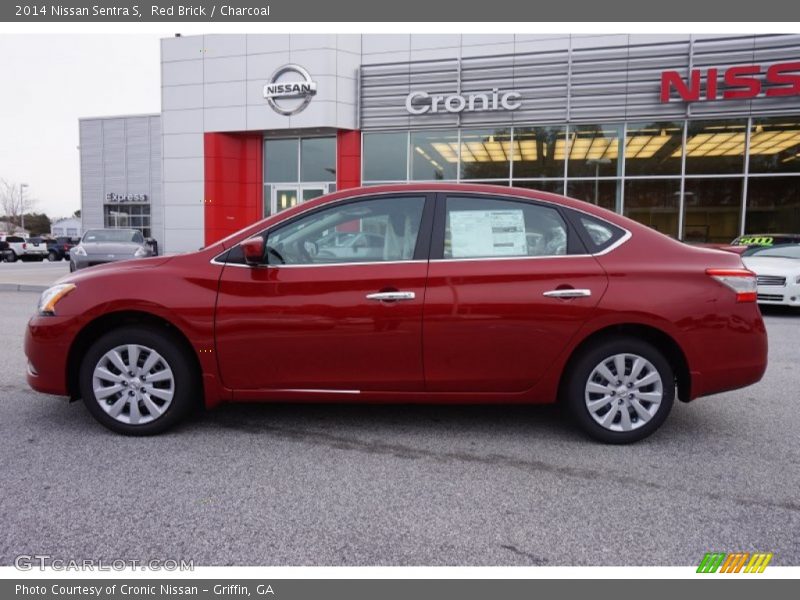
(509, 284)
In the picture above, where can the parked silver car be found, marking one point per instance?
(101, 246)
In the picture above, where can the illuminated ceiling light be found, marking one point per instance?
(642, 146)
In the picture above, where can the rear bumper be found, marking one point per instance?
(730, 356)
(47, 343)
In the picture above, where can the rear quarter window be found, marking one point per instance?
(597, 234)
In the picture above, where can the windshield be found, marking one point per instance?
(783, 251)
(113, 235)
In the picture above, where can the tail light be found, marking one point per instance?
(24, 246)
(741, 281)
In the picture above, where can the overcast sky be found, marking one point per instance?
(47, 82)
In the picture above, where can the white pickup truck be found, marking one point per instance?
(15, 247)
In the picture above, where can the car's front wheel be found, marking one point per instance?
(138, 381)
(52, 256)
(620, 390)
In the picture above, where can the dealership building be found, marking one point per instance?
(696, 136)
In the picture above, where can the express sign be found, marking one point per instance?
(737, 83)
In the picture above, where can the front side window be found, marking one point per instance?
(478, 227)
(375, 230)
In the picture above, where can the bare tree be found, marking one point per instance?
(13, 202)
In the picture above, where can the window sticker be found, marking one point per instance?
(487, 233)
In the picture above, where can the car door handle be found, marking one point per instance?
(568, 293)
(391, 296)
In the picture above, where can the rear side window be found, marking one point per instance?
(480, 227)
(14, 239)
(597, 234)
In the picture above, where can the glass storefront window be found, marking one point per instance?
(654, 148)
(539, 151)
(713, 209)
(600, 192)
(775, 145)
(127, 216)
(593, 150)
(318, 159)
(773, 205)
(552, 186)
(715, 147)
(485, 154)
(280, 160)
(655, 203)
(434, 155)
(385, 156)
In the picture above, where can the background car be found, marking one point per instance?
(777, 270)
(103, 246)
(35, 248)
(16, 247)
(58, 248)
(349, 244)
(479, 294)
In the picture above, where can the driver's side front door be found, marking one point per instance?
(312, 319)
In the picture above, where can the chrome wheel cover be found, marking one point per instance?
(623, 392)
(133, 384)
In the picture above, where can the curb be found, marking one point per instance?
(22, 287)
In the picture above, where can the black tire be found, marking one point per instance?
(12, 257)
(71, 267)
(53, 256)
(577, 377)
(174, 353)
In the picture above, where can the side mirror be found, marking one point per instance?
(253, 250)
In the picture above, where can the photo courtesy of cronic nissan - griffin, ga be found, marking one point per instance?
(441, 293)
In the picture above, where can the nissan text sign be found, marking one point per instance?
(734, 83)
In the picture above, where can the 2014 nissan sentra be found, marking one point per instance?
(479, 294)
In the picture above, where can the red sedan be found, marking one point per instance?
(471, 293)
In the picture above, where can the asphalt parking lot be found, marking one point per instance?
(399, 485)
(31, 274)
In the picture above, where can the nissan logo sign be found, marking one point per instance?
(286, 93)
(420, 103)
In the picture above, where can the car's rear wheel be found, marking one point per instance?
(138, 381)
(12, 256)
(620, 390)
(52, 256)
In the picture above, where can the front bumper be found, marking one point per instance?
(783, 295)
(47, 344)
(81, 262)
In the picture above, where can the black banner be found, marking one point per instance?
(349, 589)
(249, 11)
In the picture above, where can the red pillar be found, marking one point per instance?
(233, 182)
(348, 155)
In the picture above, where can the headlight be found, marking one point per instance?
(79, 251)
(51, 296)
(141, 252)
